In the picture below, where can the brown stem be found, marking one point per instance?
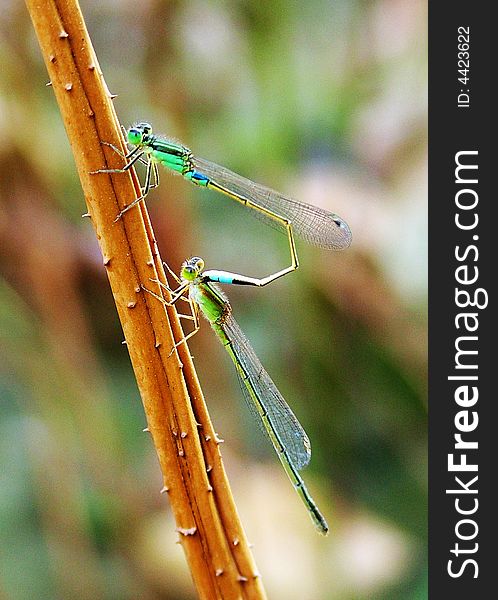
(194, 478)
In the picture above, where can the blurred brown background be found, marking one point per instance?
(325, 101)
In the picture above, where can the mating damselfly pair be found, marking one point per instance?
(315, 225)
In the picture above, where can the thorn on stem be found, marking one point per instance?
(186, 531)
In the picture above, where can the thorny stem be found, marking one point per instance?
(210, 532)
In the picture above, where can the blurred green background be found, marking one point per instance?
(323, 100)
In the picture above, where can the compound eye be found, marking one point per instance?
(189, 271)
(144, 127)
(134, 136)
(199, 263)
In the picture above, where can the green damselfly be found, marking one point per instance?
(286, 434)
(315, 225)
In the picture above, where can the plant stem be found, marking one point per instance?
(194, 478)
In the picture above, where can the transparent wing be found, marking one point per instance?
(315, 225)
(265, 401)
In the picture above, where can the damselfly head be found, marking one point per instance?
(139, 133)
(192, 268)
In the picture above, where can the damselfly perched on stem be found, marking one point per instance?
(286, 434)
(315, 225)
